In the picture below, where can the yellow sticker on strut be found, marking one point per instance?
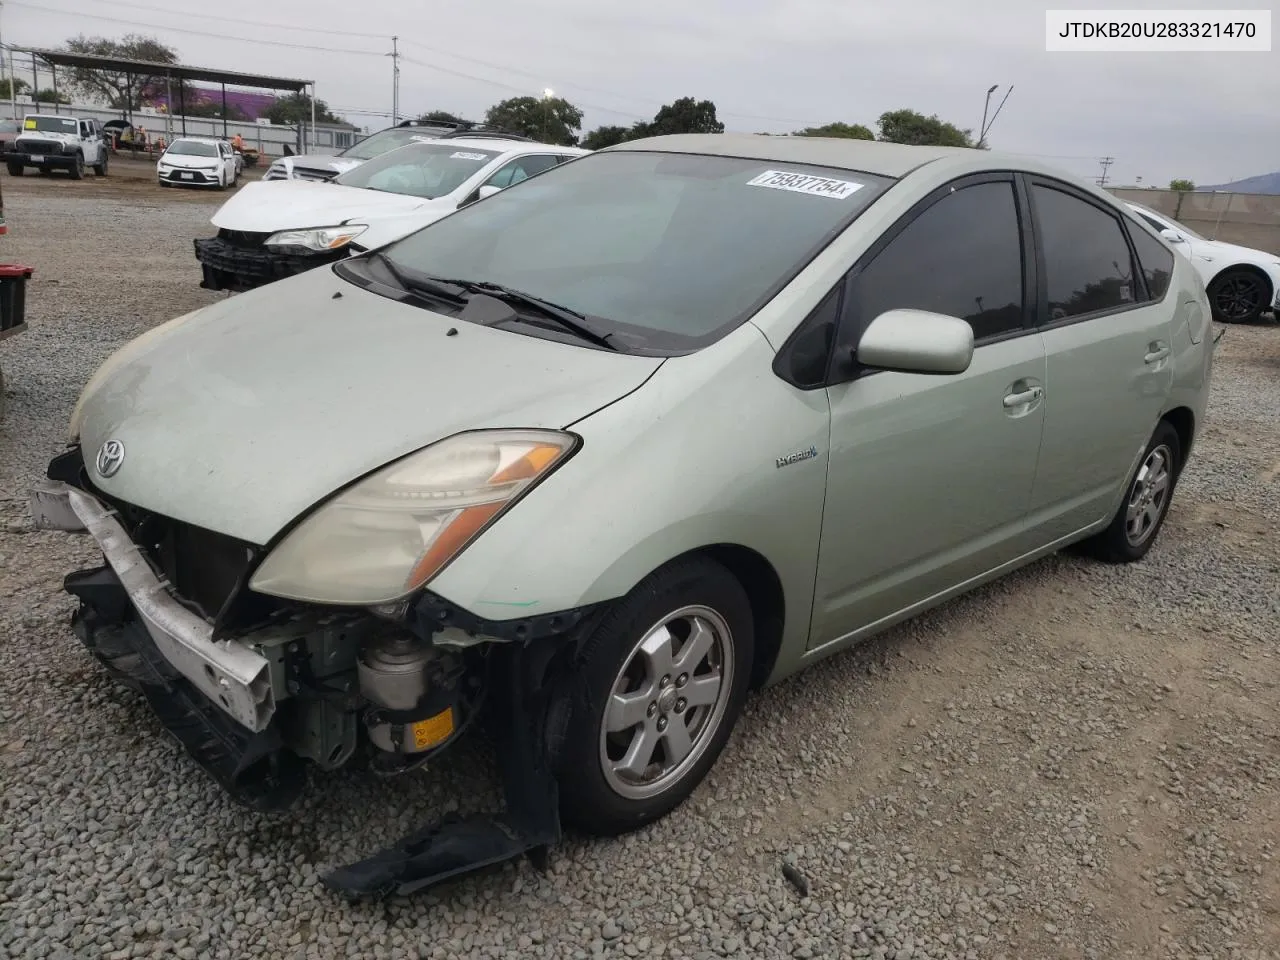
(433, 730)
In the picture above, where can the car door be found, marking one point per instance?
(930, 476)
(1108, 348)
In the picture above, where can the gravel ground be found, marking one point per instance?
(1080, 761)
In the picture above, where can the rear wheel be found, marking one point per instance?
(1134, 528)
(657, 690)
(1238, 296)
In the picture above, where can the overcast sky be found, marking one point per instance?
(769, 65)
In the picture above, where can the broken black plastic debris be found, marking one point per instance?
(796, 879)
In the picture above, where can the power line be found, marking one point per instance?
(186, 14)
(198, 33)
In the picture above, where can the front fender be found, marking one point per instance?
(687, 461)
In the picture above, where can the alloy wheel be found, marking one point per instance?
(666, 702)
(1238, 297)
(1149, 496)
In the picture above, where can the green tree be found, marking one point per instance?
(685, 115)
(546, 119)
(602, 137)
(296, 108)
(1182, 186)
(441, 116)
(849, 131)
(910, 127)
(117, 88)
(18, 83)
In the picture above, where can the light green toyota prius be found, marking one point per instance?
(593, 456)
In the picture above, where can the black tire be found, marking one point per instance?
(15, 169)
(2, 399)
(46, 171)
(77, 167)
(1238, 296)
(588, 800)
(100, 168)
(1115, 544)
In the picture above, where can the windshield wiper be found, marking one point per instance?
(570, 320)
(420, 283)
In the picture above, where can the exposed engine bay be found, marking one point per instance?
(265, 688)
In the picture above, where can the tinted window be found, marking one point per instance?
(192, 148)
(677, 248)
(1156, 260)
(962, 256)
(1086, 259)
(805, 358)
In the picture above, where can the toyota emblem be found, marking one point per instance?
(110, 457)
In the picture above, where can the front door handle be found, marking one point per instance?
(1156, 354)
(1022, 398)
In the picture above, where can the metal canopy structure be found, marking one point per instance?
(175, 71)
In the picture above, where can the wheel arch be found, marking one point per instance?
(1251, 268)
(1183, 421)
(764, 591)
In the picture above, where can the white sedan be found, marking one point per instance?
(1242, 282)
(274, 229)
(198, 162)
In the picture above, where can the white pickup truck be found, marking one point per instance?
(50, 141)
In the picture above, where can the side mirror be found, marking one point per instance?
(488, 191)
(1171, 235)
(916, 341)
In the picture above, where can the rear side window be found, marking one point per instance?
(1086, 259)
(961, 257)
(1156, 261)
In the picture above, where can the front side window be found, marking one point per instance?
(192, 148)
(961, 257)
(1086, 259)
(1156, 261)
(426, 170)
(674, 249)
(522, 168)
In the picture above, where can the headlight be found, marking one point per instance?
(136, 347)
(318, 239)
(387, 535)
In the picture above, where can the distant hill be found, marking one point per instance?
(1264, 183)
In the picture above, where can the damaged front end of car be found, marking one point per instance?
(257, 688)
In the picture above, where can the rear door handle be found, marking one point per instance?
(1156, 355)
(1022, 398)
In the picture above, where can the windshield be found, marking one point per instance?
(422, 170)
(671, 249)
(193, 148)
(379, 143)
(50, 124)
(1160, 222)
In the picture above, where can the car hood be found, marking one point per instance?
(270, 205)
(43, 135)
(185, 161)
(242, 415)
(1216, 250)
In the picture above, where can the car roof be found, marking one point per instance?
(507, 146)
(199, 139)
(875, 157)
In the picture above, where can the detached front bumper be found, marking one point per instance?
(234, 267)
(227, 673)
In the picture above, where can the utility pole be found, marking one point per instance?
(1105, 162)
(395, 80)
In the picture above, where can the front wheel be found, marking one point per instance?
(15, 169)
(77, 167)
(1146, 501)
(657, 690)
(1238, 296)
(100, 168)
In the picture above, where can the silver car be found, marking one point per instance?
(601, 452)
